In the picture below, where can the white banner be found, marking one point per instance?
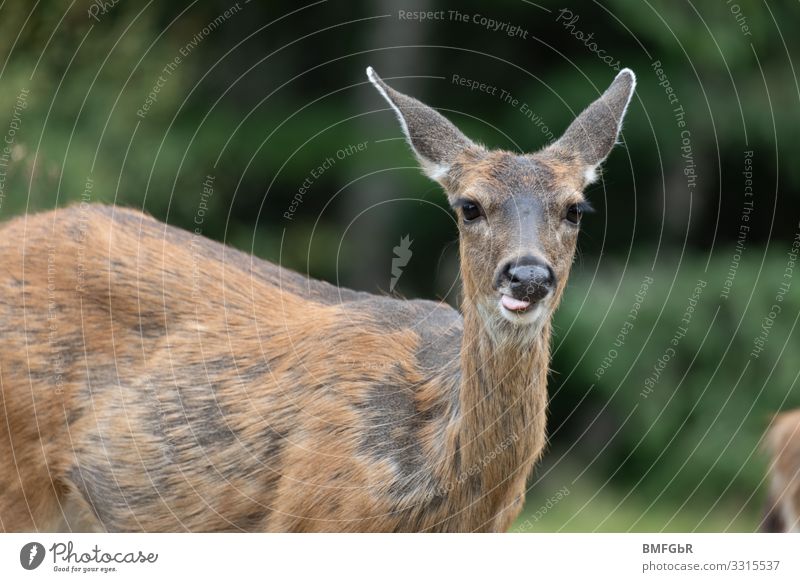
(369, 557)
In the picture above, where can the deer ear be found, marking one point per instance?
(435, 140)
(594, 132)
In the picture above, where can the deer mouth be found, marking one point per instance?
(514, 305)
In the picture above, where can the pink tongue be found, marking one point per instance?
(514, 304)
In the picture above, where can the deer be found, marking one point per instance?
(154, 380)
(782, 443)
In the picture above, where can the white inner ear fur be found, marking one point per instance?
(434, 171)
(431, 169)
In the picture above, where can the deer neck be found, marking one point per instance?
(502, 401)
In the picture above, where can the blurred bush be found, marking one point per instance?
(679, 421)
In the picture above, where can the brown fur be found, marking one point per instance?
(782, 442)
(153, 380)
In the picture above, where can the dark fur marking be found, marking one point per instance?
(252, 521)
(392, 423)
(74, 414)
(474, 484)
(206, 417)
(101, 493)
(457, 456)
(274, 442)
(254, 372)
(101, 377)
(150, 325)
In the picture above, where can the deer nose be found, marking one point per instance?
(529, 278)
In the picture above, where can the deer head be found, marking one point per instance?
(519, 214)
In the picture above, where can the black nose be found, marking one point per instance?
(529, 278)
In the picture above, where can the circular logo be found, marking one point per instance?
(31, 555)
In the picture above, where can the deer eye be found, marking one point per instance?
(471, 210)
(575, 212)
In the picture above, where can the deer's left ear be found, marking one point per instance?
(436, 142)
(594, 132)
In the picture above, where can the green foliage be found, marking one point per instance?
(689, 427)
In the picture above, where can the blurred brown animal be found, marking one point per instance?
(782, 442)
(153, 380)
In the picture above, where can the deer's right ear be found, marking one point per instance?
(435, 140)
(594, 132)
